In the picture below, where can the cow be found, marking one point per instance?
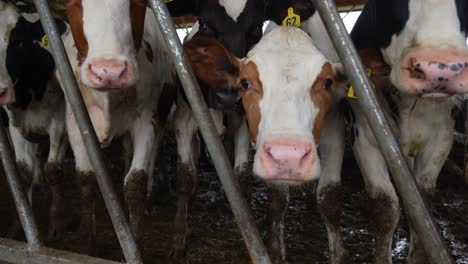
(423, 45)
(34, 103)
(290, 93)
(237, 25)
(122, 66)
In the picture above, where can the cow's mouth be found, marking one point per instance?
(435, 95)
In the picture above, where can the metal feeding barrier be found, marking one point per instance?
(412, 200)
(35, 252)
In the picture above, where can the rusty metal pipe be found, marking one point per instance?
(220, 159)
(22, 204)
(412, 200)
(74, 98)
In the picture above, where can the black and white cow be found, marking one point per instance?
(424, 44)
(122, 66)
(34, 102)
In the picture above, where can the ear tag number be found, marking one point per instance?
(351, 89)
(293, 19)
(44, 42)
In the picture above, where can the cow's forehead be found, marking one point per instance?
(287, 59)
(233, 8)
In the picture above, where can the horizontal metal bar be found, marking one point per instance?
(22, 204)
(13, 251)
(75, 100)
(200, 112)
(413, 202)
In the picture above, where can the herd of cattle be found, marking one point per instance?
(283, 92)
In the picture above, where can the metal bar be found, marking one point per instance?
(23, 206)
(73, 95)
(223, 167)
(13, 251)
(413, 203)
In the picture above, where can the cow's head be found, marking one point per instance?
(236, 24)
(286, 88)
(107, 34)
(424, 42)
(26, 65)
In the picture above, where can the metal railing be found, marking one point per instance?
(412, 200)
(244, 219)
(75, 100)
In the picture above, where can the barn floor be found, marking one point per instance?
(214, 237)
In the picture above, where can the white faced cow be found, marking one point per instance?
(287, 89)
(424, 43)
(122, 65)
(34, 102)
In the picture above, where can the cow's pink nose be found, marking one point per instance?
(437, 73)
(108, 73)
(287, 160)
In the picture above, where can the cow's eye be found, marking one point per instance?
(245, 84)
(328, 84)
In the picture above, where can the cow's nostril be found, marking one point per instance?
(417, 73)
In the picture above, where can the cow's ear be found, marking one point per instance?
(212, 63)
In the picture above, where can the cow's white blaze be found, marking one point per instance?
(233, 8)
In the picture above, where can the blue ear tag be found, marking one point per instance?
(293, 19)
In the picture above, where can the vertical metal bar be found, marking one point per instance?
(413, 203)
(23, 206)
(224, 169)
(73, 95)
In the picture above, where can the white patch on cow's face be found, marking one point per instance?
(288, 63)
(8, 20)
(107, 27)
(234, 8)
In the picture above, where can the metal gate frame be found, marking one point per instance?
(35, 252)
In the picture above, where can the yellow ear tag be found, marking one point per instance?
(293, 19)
(351, 89)
(44, 42)
(168, 1)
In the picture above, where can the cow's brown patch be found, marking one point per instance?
(137, 18)
(251, 98)
(75, 18)
(321, 97)
(380, 71)
(212, 63)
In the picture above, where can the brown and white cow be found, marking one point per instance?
(237, 25)
(288, 94)
(122, 65)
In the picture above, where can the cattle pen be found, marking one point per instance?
(34, 249)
